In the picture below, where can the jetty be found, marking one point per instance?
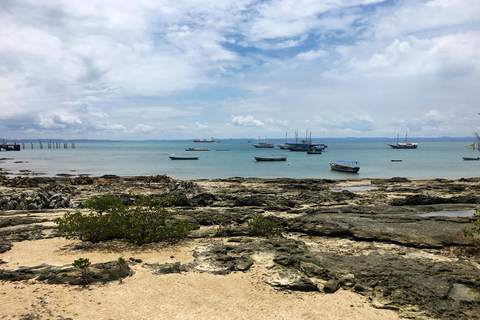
(9, 146)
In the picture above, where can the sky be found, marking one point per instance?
(186, 69)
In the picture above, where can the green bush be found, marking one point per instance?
(260, 226)
(147, 220)
(474, 231)
(103, 203)
(82, 265)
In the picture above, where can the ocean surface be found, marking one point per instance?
(432, 159)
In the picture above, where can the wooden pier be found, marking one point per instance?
(9, 146)
(15, 146)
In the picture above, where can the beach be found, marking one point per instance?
(368, 236)
(192, 295)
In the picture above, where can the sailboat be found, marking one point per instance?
(305, 145)
(406, 145)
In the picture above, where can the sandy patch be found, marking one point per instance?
(192, 295)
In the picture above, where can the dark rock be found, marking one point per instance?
(168, 268)
(243, 263)
(97, 273)
(347, 281)
(331, 286)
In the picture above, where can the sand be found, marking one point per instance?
(191, 295)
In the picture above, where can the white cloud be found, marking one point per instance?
(143, 128)
(450, 55)
(200, 126)
(246, 121)
(123, 69)
(312, 54)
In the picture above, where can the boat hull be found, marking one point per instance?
(182, 158)
(270, 158)
(342, 168)
(404, 146)
(196, 149)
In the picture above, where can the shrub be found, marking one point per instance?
(121, 263)
(82, 265)
(104, 203)
(261, 226)
(147, 220)
(89, 227)
(474, 231)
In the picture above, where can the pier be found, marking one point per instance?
(15, 146)
(9, 146)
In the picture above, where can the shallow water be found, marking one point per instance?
(461, 213)
(432, 159)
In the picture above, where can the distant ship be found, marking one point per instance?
(204, 140)
(406, 145)
(305, 145)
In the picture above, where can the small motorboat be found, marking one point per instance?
(345, 166)
(282, 157)
(468, 158)
(179, 157)
(197, 149)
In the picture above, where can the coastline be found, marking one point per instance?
(332, 229)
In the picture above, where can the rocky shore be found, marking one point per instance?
(379, 238)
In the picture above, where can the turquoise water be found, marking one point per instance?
(432, 159)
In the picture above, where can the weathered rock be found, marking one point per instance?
(97, 273)
(331, 286)
(294, 282)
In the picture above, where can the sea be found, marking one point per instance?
(434, 158)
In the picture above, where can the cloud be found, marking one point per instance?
(143, 128)
(450, 56)
(246, 121)
(123, 69)
(330, 122)
(200, 126)
(312, 54)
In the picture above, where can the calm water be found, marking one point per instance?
(432, 159)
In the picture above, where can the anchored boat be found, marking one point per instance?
(273, 157)
(179, 157)
(405, 145)
(345, 166)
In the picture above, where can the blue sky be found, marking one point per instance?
(184, 69)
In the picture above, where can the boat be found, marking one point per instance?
(205, 140)
(178, 157)
(263, 145)
(197, 149)
(314, 152)
(273, 157)
(468, 158)
(222, 149)
(405, 145)
(345, 166)
(396, 160)
(305, 145)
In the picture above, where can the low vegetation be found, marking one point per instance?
(259, 225)
(82, 265)
(146, 220)
(474, 231)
